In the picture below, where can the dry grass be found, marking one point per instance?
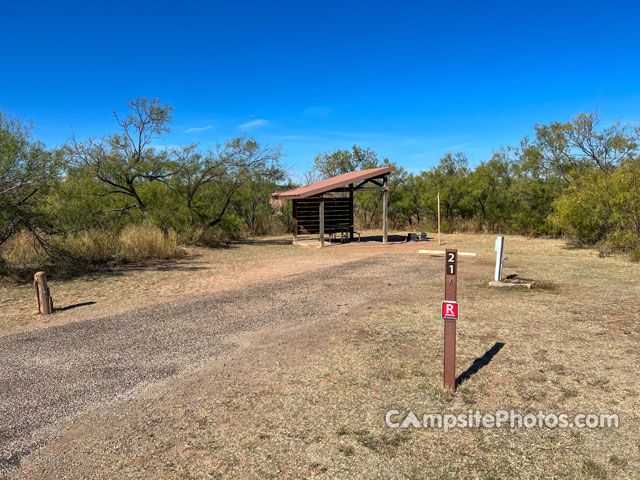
(93, 245)
(140, 242)
(311, 403)
(21, 250)
(133, 243)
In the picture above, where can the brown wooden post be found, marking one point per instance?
(295, 220)
(450, 294)
(385, 195)
(45, 301)
(351, 227)
(322, 222)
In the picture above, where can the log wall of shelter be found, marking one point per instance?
(337, 211)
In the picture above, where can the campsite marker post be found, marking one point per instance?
(450, 317)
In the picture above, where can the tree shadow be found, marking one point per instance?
(75, 305)
(479, 363)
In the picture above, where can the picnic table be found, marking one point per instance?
(344, 229)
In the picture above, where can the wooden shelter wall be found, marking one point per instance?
(337, 211)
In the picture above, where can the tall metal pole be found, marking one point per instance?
(439, 219)
(385, 194)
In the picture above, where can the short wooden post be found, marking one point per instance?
(385, 195)
(45, 301)
(439, 219)
(321, 222)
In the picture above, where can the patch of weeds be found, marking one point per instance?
(546, 286)
(397, 373)
(318, 467)
(591, 468)
(375, 443)
(468, 396)
(617, 461)
(346, 450)
(599, 382)
(202, 422)
(370, 441)
(568, 393)
(342, 431)
(390, 374)
(396, 439)
(526, 395)
(559, 368)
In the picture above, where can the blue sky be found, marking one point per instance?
(412, 80)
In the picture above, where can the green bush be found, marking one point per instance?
(602, 208)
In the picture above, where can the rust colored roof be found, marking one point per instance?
(332, 183)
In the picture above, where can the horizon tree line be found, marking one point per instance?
(573, 178)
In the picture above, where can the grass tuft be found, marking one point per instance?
(592, 469)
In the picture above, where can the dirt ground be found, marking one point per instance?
(198, 271)
(310, 401)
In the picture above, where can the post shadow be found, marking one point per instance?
(69, 307)
(479, 363)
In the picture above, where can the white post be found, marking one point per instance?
(499, 247)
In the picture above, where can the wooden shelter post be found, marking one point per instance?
(385, 195)
(295, 220)
(351, 226)
(321, 222)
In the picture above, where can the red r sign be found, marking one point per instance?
(449, 310)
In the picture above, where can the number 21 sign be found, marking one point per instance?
(450, 316)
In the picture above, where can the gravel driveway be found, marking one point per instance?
(49, 375)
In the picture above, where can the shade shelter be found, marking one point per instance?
(327, 206)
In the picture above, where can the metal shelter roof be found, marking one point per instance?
(332, 183)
